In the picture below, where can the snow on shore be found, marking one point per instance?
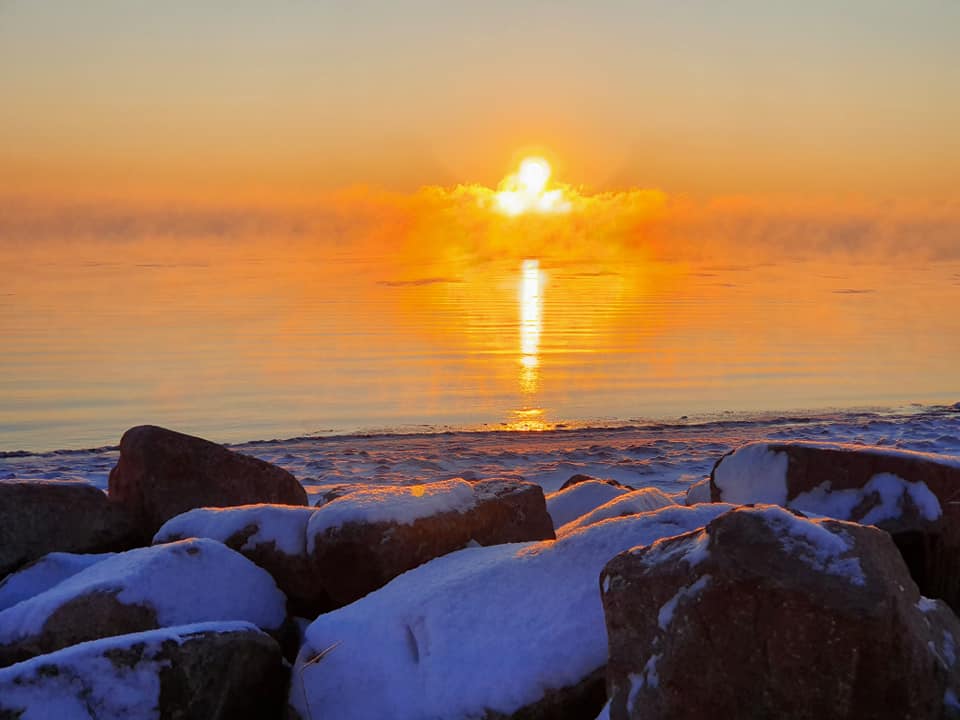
(662, 455)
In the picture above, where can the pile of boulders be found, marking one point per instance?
(798, 581)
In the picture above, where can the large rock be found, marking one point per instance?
(42, 516)
(765, 614)
(272, 536)
(506, 631)
(914, 496)
(175, 584)
(216, 671)
(362, 540)
(161, 474)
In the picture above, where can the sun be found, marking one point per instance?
(526, 190)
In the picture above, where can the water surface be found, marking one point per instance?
(265, 339)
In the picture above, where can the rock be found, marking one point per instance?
(766, 614)
(175, 584)
(631, 503)
(579, 478)
(43, 574)
(487, 632)
(42, 516)
(215, 671)
(161, 474)
(698, 492)
(580, 498)
(361, 541)
(272, 536)
(914, 496)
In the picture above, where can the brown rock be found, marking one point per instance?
(39, 517)
(929, 544)
(353, 558)
(202, 672)
(162, 473)
(763, 614)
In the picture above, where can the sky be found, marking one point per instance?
(254, 102)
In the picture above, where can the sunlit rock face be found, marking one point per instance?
(162, 473)
(909, 494)
(359, 542)
(767, 614)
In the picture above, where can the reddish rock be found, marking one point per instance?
(198, 672)
(162, 473)
(39, 517)
(357, 552)
(764, 614)
(914, 496)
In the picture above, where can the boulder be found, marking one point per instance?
(631, 503)
(764, 613)
(175, 584)
(362, 540)
(215, 671)
(43, 574)
(580, 498)
(505, 631)
(161, 474)
(914, 496)
(42, 516)
(272, 536)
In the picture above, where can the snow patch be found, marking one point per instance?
(820, 548)
(689, 592)
(630, 503)
(753, 474)
(50, 570)
(698, 492)
(892, 493)
(577, 500)
(283, 525)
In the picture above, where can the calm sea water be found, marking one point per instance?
(266, 339)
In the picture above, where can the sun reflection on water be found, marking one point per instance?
(531, 327)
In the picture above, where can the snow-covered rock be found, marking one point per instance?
(174, 584)
(576, 500)
(698, 492)
(161, 474)
(41, 575)
(481, 631)
(631, 503)
(909, 494)
(272, 536)
(764, 613)
(42, 516)
(362, 540)
(211, 671)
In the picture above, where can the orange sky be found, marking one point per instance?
(249, 101)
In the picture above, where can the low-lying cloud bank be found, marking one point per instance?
(462, 221)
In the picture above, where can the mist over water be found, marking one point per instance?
(269, 338)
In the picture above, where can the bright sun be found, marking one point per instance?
(526, 190)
